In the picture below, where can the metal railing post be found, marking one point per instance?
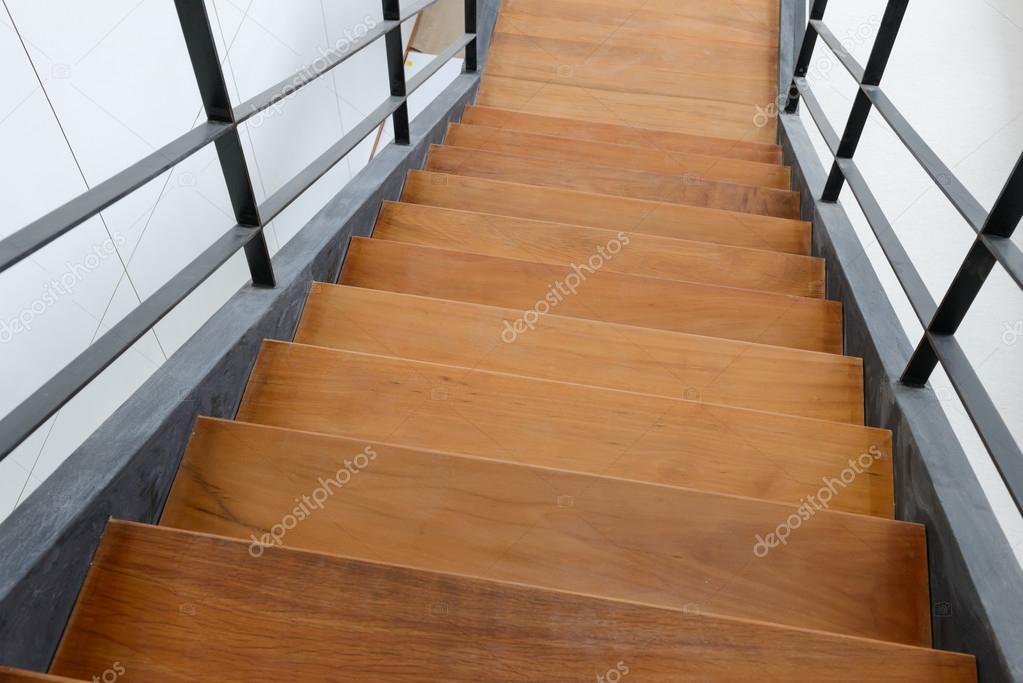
(209, 76)
(470, 27)
(802, 65)
(396, 71)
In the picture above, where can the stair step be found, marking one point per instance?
(580, 65)
(760, 377)
(690, 190)
(678, 113)
(755, 23)
(557, 149)
(618, 45)
(567, 426)
(637, 254)
(741, 314)
(660, 140)
(554, 529)
(605, 211)
(191, 607)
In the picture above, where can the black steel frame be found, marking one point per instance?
(220, 129)
(993, 229)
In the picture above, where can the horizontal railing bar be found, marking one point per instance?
(294, 188)
(847, 60)
(291, 190)
(999, 441)
(61, 220)
(328, 61)
(912, 284)
(439, 61)
(820, 119)
(961, 198)
(19, 424)
(1007, 253)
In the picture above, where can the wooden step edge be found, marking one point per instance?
(807, 279)
(12, 675)
(660, 139)
(324, 322)
(124, 539)
(555, 149)
(882, 438)
(799, 244)
(790, 198)
(230, 465)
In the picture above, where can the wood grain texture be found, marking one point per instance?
(9, 675)
(709, 369)
(541, 527)
(675, 112)
(622, 45)
(191, 607)
(741, 314)
(567, 426)
(578, 64)
(744, 23)
(690, 189)
(659, 140)
(605, 211)
(639, 254)
(556, 149)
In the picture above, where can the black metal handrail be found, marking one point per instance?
(993, 229)
(220, 129)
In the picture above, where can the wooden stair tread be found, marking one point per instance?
(606, 211)
(197, 607)
(741, 314)
(539, 527)
(752, 24)
(561, 148)
(659, 140)
(622, 45)
(9, 675)
(634, 253)
(568, 426)
(689, 189)
(679, 113)
(579, 65)
(770, 378)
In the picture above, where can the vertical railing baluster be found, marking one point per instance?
(396, 71)
(872, 74)
(209, 76)
(802, 66)
(470, 27)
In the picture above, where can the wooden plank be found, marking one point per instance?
(748, 24)
(573, 427)
(191, 607)
(544, 527)
(9, 675)
(640, 254)
(630, 46)
(741, 314)
(605, 211)
(578, 64)
(690, 189)
(676, 112)
(660, 140)
(557, 149)
(770, 378)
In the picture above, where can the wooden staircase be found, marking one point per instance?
(579, 406)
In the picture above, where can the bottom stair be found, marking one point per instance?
(162, 597)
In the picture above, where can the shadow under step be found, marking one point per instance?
(190, 607)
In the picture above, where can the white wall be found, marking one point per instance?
(94, 87)
(955, 75)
